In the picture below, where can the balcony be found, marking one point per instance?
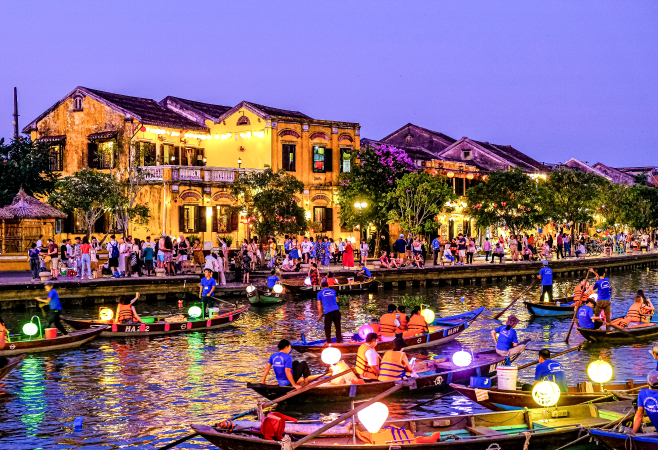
(200, 174)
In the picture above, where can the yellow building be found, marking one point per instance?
(190, 152)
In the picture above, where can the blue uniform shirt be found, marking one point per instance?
(54, 304)
(366, 271)
(585, 314)
(436, 244)
(271, 281)
(328, 298)
(207, 285)
(648, 399)
(602, 288)
(552, 371)
(281, 361)
(546, 276)
(506, 338)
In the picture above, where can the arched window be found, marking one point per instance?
(244, 120)
(408, 138)
(77, 103)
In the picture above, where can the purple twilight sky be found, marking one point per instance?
(555, 79)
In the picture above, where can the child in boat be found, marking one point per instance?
(287, 371)
(126, 311)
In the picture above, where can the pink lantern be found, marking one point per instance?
(364, 331)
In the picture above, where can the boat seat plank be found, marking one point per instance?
(585, 421)
(484, 431)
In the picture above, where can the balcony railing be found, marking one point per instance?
(192, 173)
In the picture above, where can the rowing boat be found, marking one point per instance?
(620, 441)
(630, 334)
(157, 327)
(483, 365)
(11, 365)
(346, 285)
(71, 340)
(558, 307)
(517, 430)
(441, 331)
(258, 296)
(501, 400)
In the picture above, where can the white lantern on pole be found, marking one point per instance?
(373, 417)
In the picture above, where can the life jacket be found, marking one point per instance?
(391, 368)
(387, 325)
(417, 324)
(125, 313)
(403, 322)
(362, 366)
(375, 328)
(274, 425)
(332, 281)
(634, 314)
(578, 293)
(391, 434)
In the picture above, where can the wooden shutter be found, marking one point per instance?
(199, 157)
(328, 161)
(328, 224)
(176, 161)
(92, 155)
(200, 219)
(181, 220)
(215, 219)
(285, 157)
(235, 221)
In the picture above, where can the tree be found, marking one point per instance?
(416, 201)
(269, 200)
(506, 198)
(614, 199)
(643, 207)
(25, 164)
(133, 179)
(87, 193)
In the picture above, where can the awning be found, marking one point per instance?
(51, 139)
(102, 135)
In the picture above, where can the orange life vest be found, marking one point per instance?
(391, 368)
(403, 322)
(387, 325)
(634, 313)
(417, 324)
(125, 313)
(362, 367)
(3, 335)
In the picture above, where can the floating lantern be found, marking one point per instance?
(30, 329)
(373, 417)
(250, 289)
(546, 393)
(462, 359)
(106, 314)
(331, 355)
(600, 371)
(429, 316)
(194, 311)
(364, 331)
(278, 288)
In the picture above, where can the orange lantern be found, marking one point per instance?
(469, 176)
(450, 174)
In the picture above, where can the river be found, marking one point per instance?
(144, 392)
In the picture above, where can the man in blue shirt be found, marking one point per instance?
(436, 248)
(207, 290)
(586, 315)
(55, 307)
(401, 246)
(647, 400)
(287, 371)
(328, 305)
(365, 271)
(272, 279)
(603, 292)
(507, 343)
(550, 370)
(546, 277)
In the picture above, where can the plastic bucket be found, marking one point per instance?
(62, 271)
(148, 319)
(507, 377)
(50, 333)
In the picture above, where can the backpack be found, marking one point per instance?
(114, 249)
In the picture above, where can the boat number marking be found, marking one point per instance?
(12, 346)
(452, 331)
(438, 380)
(136, 328)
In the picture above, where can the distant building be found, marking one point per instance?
(609, 173)
(650, 171)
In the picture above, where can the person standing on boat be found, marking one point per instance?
(367, 359)
(647, 400)
(586, 316)
(55, 307)
(207, 290)
(126, 312)
(546, 277)
(272, 279)
(287, 371)
(328, 306)
(603, 291)
(395, 364)
(507, 343)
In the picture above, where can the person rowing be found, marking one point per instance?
(546, 277)
(416, 324)
(507, 342)
(207, 291)
(586, 317)
(603, 291)
(55, 307)
(389, 324)
(126, 311)
(367, 359)
(550, 370)
(287, 371)
(328, 306)
(647, 401)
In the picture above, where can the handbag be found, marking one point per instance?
(46, 258)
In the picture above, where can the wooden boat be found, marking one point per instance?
(630, 334)
(157, 327)
(619, 441)
(11, 365)
(484, 365)
(266, 296)
(493, 430)
(558, 307)
(500, 400)
(346, 285)
(442, 330)
(71, 340)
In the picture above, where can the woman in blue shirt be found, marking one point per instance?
(507, 343)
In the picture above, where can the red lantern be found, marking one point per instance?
(142, 129)
(180, 303)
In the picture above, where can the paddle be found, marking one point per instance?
(309, 329)
(575, 309)
(514, 301)
(579, 347)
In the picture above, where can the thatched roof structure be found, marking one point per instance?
(5, 215)
(25, 207)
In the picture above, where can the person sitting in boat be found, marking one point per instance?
(654, 353)
(126, 311)
(367, 359)
(287, 371)
(389, 324)
(507, 343)
(403, 317)
(647, 401)
(3, 338)
(328, 306)
(586, 318)
(365, 272)
(331, 280)
(416, 324)
(272, 279)
(647, 307)
(395, 364)
(634, 316)
(550, 370)
(582, 292)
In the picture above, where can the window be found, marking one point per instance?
(221, 220)
(191, 219)
(466, 153)
(288, 157)
(169, 155)
(145, 153)
(408, 138)
(459, 186)
(325, 217)
(345, 160)
(77, 104)
(244, 120)
(191, 156)
(56, 160)
(107, 154)
(321, 159)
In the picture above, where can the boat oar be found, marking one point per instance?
(613, 393)
(579, 347)
(514, 301)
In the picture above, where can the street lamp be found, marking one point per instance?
(239, 162)
(360, 206)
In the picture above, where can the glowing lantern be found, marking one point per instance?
(373, 417)
(546, 393)
(277, 288)
(450, 174)
(106, 314)
(364, 331)
(194, 311)
(331, 355)
(30, 329)
(250, 289)
(429, 316)
(369, 296)
(462, 358)
(599, 371)
(307, 281)
(469, 176)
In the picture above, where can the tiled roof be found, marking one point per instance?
(514, 156)
(51, 139)
(102, 135)
(435, 133)
(279, 112)
(210, 110)
(415, 153)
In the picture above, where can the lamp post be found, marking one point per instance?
(360, 207)
(239, 163)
